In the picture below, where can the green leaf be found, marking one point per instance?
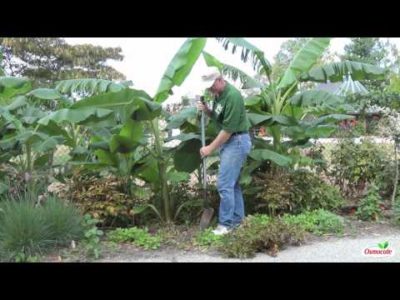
(260, 63)
(247, 81)
(303, 61)
(88, 86)
(258, 119)
(13, 82)
(335, 71)
(42, 160)
(265, 154)
(75, 115)
(316, 98)
(179, 67)
(17, 102)
(176, 177)
(321, 131)
(385, 245)
(187, 156)
(252, 100)
(106, 157)
(181, 117)
(46, 94)
(147, 169)
(46, 144)
(127, 102)
(3, 188)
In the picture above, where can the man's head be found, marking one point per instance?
(218, 82)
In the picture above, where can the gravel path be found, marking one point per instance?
(345, 249)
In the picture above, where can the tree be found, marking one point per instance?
(46, 60)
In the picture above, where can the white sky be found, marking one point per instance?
(146, 59)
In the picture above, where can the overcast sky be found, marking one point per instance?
(145, 59)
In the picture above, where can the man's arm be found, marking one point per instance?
(222, 137)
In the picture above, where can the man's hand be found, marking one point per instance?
(206, 151)
(202, 107)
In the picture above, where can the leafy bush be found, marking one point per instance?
(27, 230)
(318, 222)
(259, 233)
(355, 165)
(106, 200)
(369, 208)
(137, 236)
(294, 192)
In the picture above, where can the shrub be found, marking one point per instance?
(355, 165)
(318, 222)
(259, 233)
(369, 208)
(294, 191)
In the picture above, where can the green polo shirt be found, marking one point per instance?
(229, 111)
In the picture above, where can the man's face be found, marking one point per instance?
(218, 86)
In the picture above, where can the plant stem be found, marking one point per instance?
(162, 170)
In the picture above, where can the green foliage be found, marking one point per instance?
(293, 191)
(318, 222)
(139, 237)
(65, 221)
(27, 230)
(260, 234)
(354, 165)
(107, 200)
(207, 238)
(369, 208)
(92, 236)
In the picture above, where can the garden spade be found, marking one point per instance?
(208, 211)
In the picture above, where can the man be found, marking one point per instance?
(234, 144)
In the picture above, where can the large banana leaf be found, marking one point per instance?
(75, 115)
(187, 156)
(46, 94)
(247, 81)
(128, 138)
(303, 61)
(179, 67)
(316, 98)
(127, 102)
(185, 115)
(260, 63)
(88, 86)
(265, 154)
(11, 87)
(335, 71)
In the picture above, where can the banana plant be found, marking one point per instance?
(29, 144)
(283, 107)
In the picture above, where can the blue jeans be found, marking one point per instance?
(233, 154)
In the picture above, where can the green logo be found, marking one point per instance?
(383, 245)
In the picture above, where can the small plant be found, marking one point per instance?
(92, 237)
(207, 238)
(318, 222)
(369, 208)
(139, 237)
(259, 233)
